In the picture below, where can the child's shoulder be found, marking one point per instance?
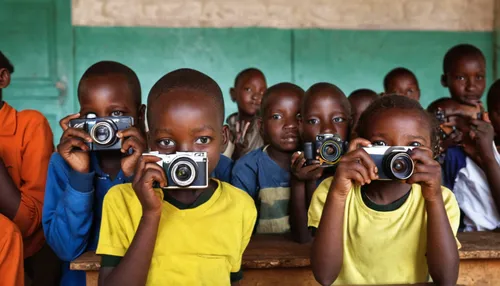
(236, 195)
(251, 159)
(121, 194)
(32, 117)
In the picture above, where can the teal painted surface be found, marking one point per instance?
(361, 59)
(350, 59)
(37, 37)
(221, 53)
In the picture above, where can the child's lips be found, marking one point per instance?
(290, 138)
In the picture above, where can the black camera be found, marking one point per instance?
(184, 170)
(393, 163)
(327, 149)
(103, 131)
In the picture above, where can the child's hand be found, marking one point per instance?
(131, 138)
(427, 173)
(481, 134)
(356, 166)
(72, 139)
(146, 173)
(305, 173)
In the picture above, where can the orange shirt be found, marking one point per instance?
(25, 147)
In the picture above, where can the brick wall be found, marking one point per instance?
(449, 15)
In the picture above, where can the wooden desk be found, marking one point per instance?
(276, 260)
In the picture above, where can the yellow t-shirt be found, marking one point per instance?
(195, 246)
(384, 247)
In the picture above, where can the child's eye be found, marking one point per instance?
(338, 119)
(313, 121)
(276, 116)
(203, 140)
(247, 89)
(460, 77)
(165, 143)
(379, 143)
(117, 113)
(415, 144)
(479, 77)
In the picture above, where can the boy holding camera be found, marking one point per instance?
(472, 170)
(265, 173)
(188, 232)
(92, 156)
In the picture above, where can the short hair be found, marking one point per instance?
(363, 93)
(326, 87)
(399, 71)
(434, 106)
(104, 68)
(188, 79)
(244, 72)
(402, 103)
(493, 95)
(283, 86)
(457, 52)
(5, 63)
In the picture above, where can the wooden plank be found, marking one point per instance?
(477, 245)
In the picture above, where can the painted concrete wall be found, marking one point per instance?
(461, 15)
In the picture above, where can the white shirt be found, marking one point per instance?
(474, 197)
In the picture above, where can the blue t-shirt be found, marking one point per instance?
(223, 170)
(269, 185)
(454, 161)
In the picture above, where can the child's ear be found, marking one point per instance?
(4, 78)
(232, 92)
(444, 82)
(225, 136)
(141, 117)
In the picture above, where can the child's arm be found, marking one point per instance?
(442, 252)
(134, 266)
(24, 205)
(482, 135)
(327, 250)
(299, 200)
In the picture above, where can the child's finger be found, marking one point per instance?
(131, 132)
(69, 143)
(141, 164)
(295, 156)
(64, 123)
(364, 159)
(358, 142)
(245, 129)
(486, 117)
(358, 167)
(238, 127)
(424, 155)
(76, 133)
(135, 144)
(152, 175)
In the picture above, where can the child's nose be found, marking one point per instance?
(328, 128)
(184, 147)
(471, 84)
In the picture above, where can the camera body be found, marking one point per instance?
(393, 162)
(184, 170)
(467, 111)
(328, 149)
(103, 130)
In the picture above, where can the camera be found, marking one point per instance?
(184, 170)
(466, 111)
(103, 131)
(393, 163)
(328, 149)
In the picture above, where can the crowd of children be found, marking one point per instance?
(269, 173)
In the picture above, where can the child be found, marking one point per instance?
(386, 232)
(493, 102)
(403, 82)
(265, 173)
(249, 87)
(324, 110)
(25, 148)
(78, 179)
(177, 236)
(472, 170)
(360, 100)
(464, 74)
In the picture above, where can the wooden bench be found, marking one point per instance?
(276, 260)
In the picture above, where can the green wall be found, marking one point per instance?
(350, 59)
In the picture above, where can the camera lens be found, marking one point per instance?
(330, 151)
(103, 133)
(399, 166)
(183, 172)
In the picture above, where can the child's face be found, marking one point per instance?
(248, 93)
(324, 114)
(466, 79)
(109, 96)
(279, 122)
(404, 85)
(182, 121)
(358, 106)
(394, 127)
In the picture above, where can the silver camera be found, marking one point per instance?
(393, 162)
(103, 130)
(184, 170)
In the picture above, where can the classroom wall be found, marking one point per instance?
(353, 43)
